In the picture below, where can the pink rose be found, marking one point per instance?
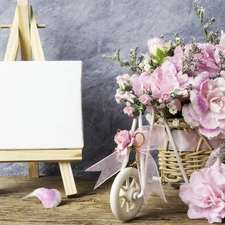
(207, 107)
(129, 110)
(124, 139)
(205, 194)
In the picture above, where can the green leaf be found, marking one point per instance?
(160, 55)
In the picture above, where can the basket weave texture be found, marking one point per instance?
(192, 161)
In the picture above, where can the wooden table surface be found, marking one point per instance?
(90, 207)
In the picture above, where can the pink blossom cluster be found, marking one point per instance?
(170, 85)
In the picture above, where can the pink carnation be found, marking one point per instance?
(145, 99)
(208, 61)
(136, 84)
(205, 194)
(207, 107)
(164, 80)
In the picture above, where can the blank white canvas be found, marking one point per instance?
(40, 105)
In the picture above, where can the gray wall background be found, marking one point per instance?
(87, 29)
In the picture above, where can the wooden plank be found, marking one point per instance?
(88, 207)
(68, 179)
(13, 42)
(36, 46)
(41, 155)
(24, 30)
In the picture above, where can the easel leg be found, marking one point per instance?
(67, 178)
(33, 169)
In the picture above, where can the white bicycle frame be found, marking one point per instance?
(172, 142)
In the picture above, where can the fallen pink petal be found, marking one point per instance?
(50, 198)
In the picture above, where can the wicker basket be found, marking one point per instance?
(192, 160)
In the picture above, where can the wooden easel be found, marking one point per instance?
(24, 36)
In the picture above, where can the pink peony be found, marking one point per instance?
(124, 139)
(205, 194)
(207, 107)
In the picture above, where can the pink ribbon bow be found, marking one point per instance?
(146, 138)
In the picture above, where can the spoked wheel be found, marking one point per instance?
(123, 196)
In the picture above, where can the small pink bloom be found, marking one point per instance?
(124, 139)
(50, 198)
(129, 110)
(123, 81)
(127, 96)
(166, 97)
(118, 95)
(205, 194)
(145, 99)
(154, 44)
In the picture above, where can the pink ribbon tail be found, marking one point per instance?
(109, 166)
(150, 180)
(149, 177)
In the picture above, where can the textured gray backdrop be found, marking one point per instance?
(87, 29)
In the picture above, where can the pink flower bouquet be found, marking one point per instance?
(178, 80)
(187, 81)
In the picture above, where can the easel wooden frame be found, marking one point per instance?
(24, 36)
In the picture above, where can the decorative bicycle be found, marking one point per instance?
(133, 186)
